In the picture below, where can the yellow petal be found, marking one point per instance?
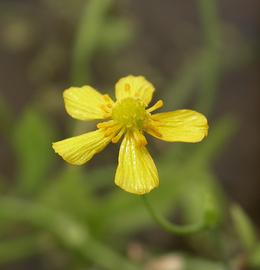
(80, 149)
(85, 103)
(179, 126)
(136, 87)
(136, 172)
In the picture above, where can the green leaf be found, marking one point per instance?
(69, 193)
(255, 257)
(32, 141)
(68, 231)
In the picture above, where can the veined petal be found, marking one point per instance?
(136, 87)
(179, 126)
(136, 172)
(80, 149)
(85, 103)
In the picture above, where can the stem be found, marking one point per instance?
(182, 85)
(87, 39)
(211, 73)
(179, 229)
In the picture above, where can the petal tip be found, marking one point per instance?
(137, 190)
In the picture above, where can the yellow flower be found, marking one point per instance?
(128, 116)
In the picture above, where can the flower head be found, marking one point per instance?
(128, 116)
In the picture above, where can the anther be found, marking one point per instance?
(106, 124)
(118, 136)
(127, 87)
(108, 99)
(139, 138)
(154, 130)
(156, 106)
(105, 108)
(109, 132)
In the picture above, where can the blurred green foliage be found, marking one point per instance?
(55, 208)
(31, 141)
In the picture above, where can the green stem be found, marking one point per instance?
(87, 39)
(212, 34)
(182, 85)
(210, 22)
(208, 221)
(70, 233)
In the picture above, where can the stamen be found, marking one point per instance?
(108, 99)
(110, 128)
(106, 114)
(106, 124)
(156, 106)
(118, 136)
(130, 113)
(154, 130)
(110, 131)
(105, 108)
(139, 138)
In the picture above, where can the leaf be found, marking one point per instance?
(255, 257)
(66, 230)
(69, 193)
(32, 140)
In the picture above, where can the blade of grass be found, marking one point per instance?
(212, 35)
(87, 39)
(181, 87)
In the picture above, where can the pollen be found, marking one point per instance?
(130, 113)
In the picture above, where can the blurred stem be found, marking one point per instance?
(244, 228)
(183, 85)
(210, 75)
(11, 250)
(71, 234)
(203, 67)
(207, 221)
(87, 38)
(210, 22)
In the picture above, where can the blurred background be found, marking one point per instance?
(199, 54)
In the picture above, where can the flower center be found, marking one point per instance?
(130, 113)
